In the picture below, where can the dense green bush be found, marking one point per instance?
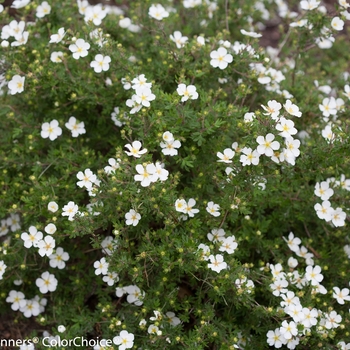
(167, 182)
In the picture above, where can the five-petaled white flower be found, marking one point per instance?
(135, 149)
(125, 340)
(187, 92)
(87, 179)
(47, 282)
(56, 38)
(75, 127)
(178, 39)
(56, 56)
(226, 156)
(51, 130)
(32, 238)
(143, 96)
(132, 217)
(146, 174)
(16, 84)
(313, 274)
(70, 210)
(213, 209)
(158, 12)
(337, 23)
(220, 58)
(46, 246)
(43, 9)
(59, 258)
(101, 63)
(79, 48)
(217, 263)
(267, 145)
(101, 267)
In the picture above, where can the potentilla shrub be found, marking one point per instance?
(171, 181)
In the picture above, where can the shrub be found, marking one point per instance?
(169, 183)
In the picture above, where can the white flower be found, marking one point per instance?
(70, 210)
(213, 209)
(135, 149)
(217, 263)
(56, 38)
(338, 217)
(226, 156)
(32, 238)
(180, 205)
(267, 145)
(341, 295)
(275, 338)
(51, 130)
(95, 14)
(17, 299)
(101, 267)
(161, 173)
(324, 211)
(3, 267)
(43, 9)
(21, 39)
(125, 340)
(108, 245)
(249, 156)
(228, 244)
(16, 84)
(216, 235)
(140, 82)
(292, 109)
(332, 320)
(46, 246)
(178, 39)
(61, 329)
(135, 106)
(337, 23)
(293, 242)
(187, 92)
(145, 175)
(189, 210)
(31, 308)
(220, 58)
(101, 63)
(313, 274)
(75, 127)
(158, 12)
(59, 258)
(56, 56)
(113, 166)
(287, 330)
(50, 229)
(309, 4)
(125, 22)
(143, 96)
(272, 109)
(87, 179)
(323, 190)
(17, 4)
(79, 48)
(132, 217)
(251, 34)
(135, 295)
(172, 319)
(169, 147)
(110, 278)
(52, 206)
(47, 282)
(191, 3)
(286, 127)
